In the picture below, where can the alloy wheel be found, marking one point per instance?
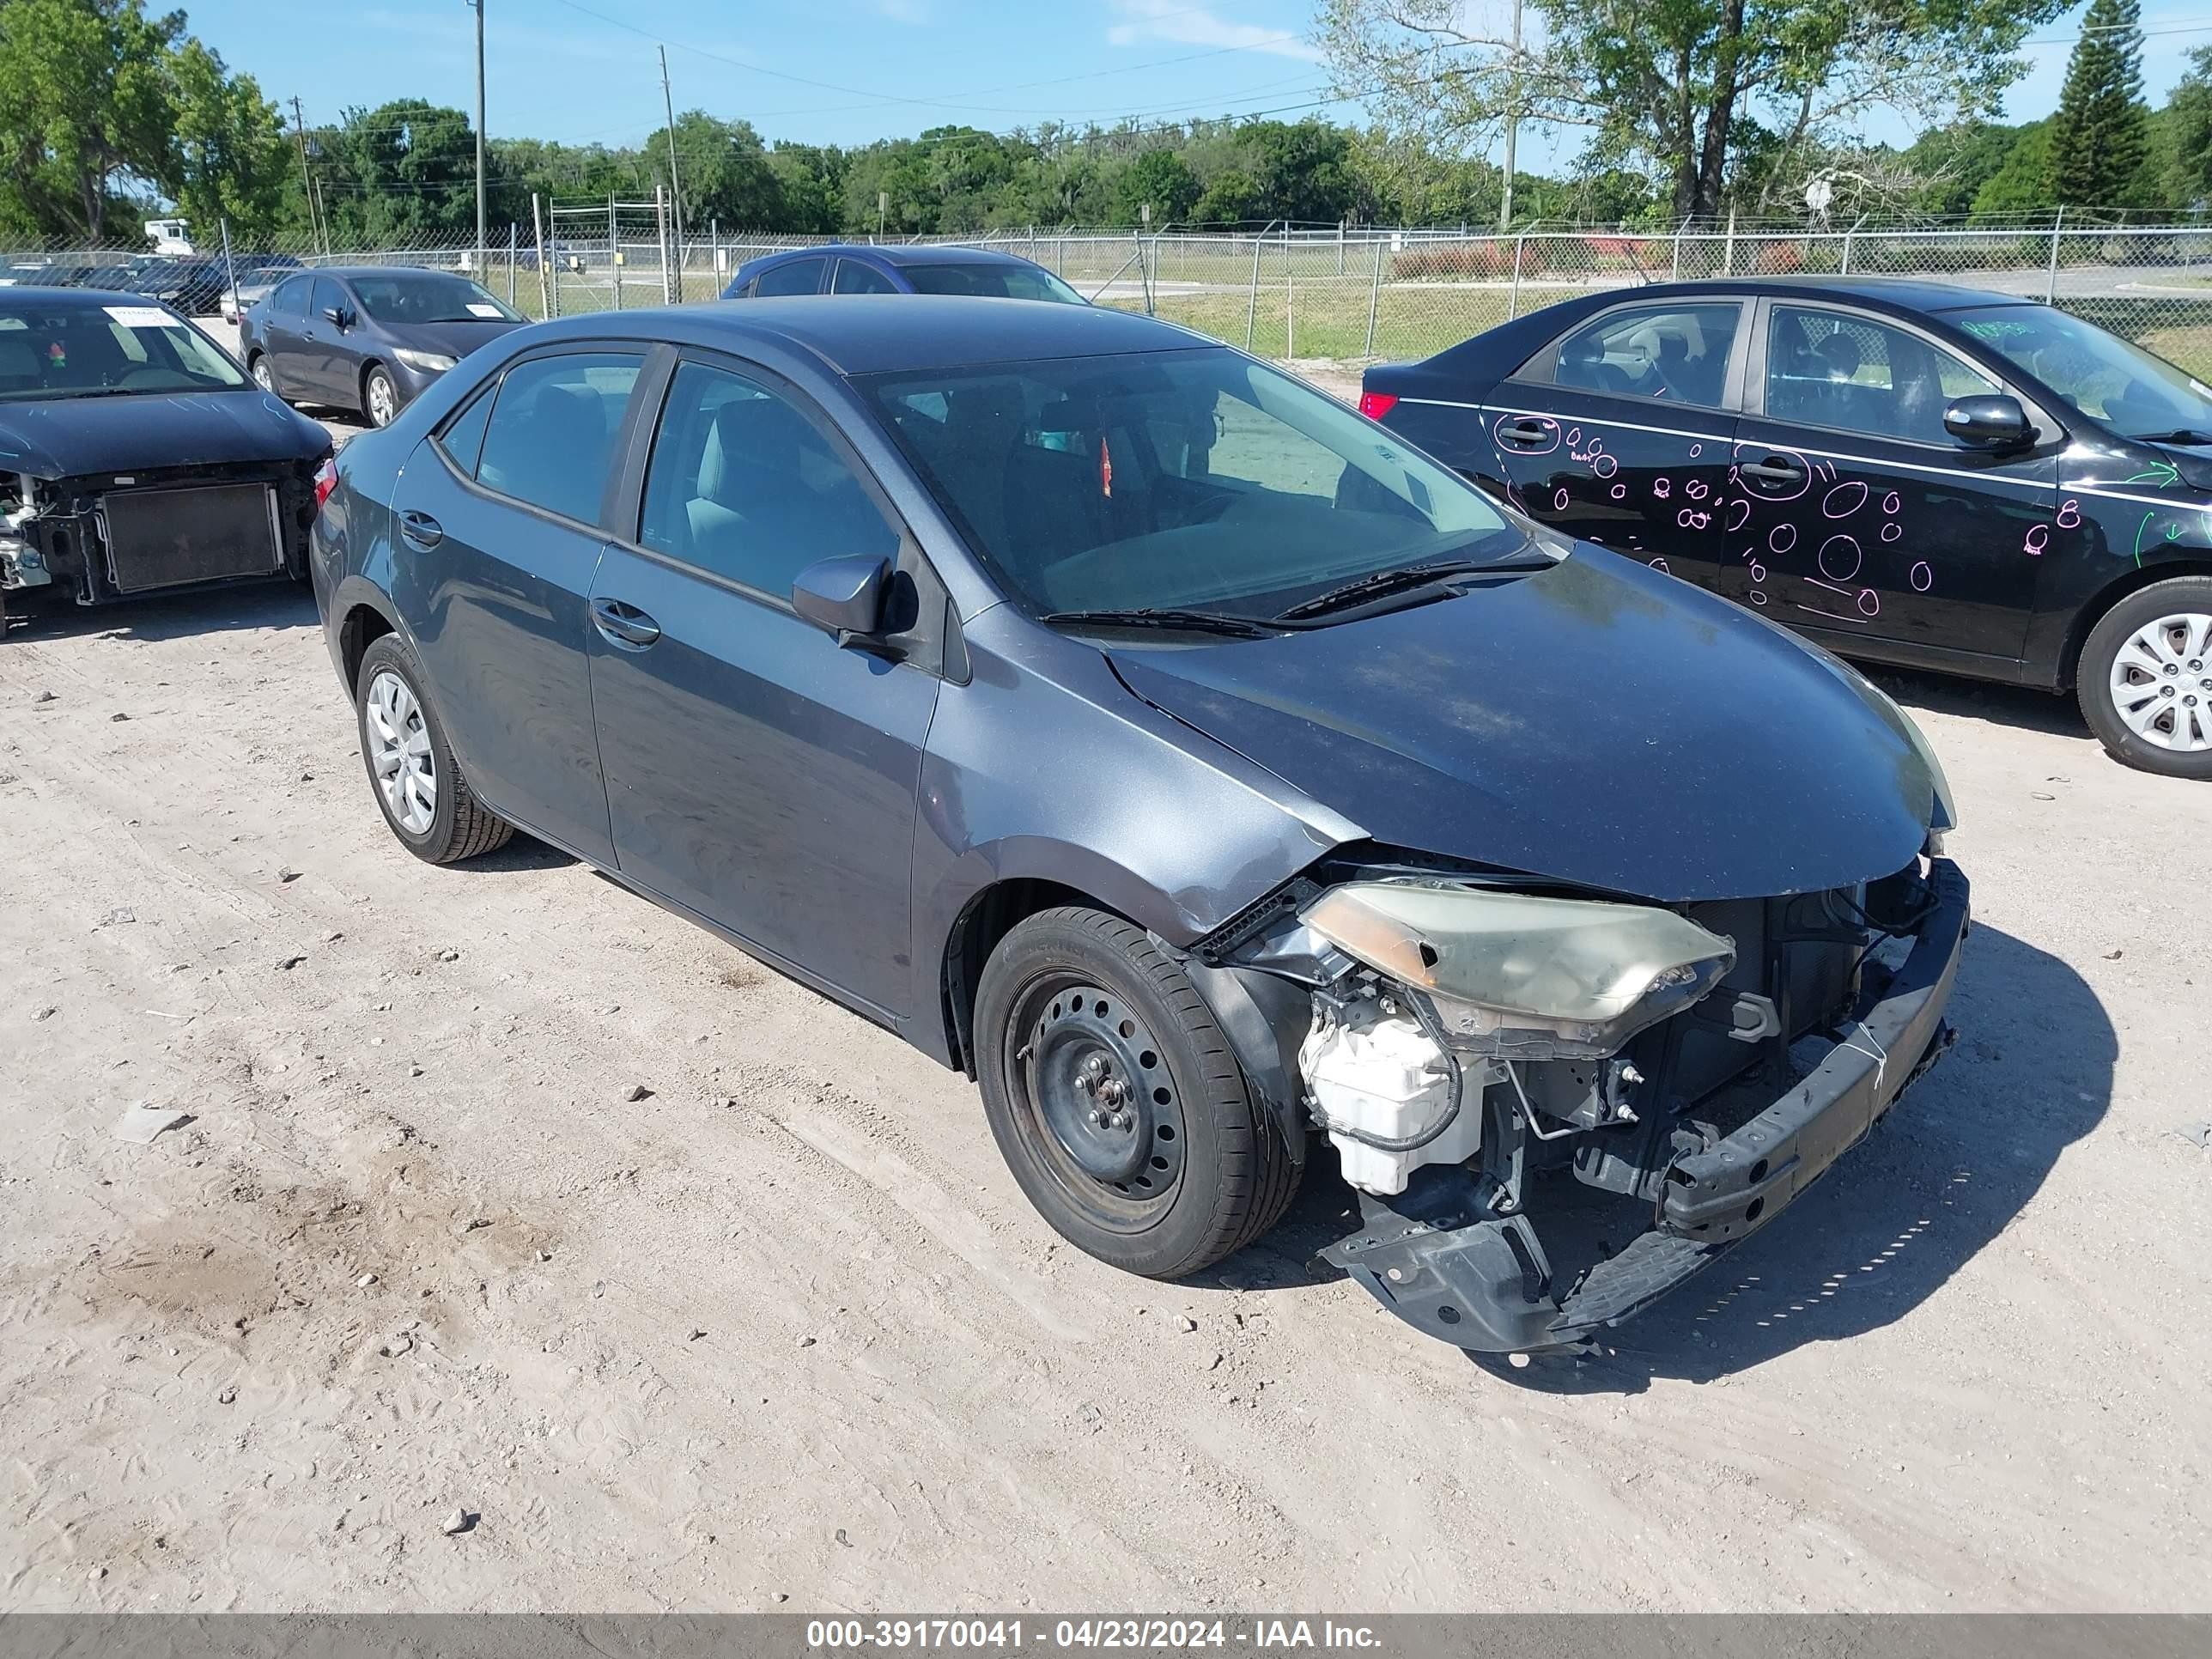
(399, 753)
(261, 377)
(383, 400)
(2161, 683)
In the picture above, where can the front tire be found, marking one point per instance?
(2145, 678)
(418, 783)
(379, 397)
(1117, 1101)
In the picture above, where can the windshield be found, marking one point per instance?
(1007, 282)
(85, 351)
(428, 296)
(1177, 479)
(2095, 374)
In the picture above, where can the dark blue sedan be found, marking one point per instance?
(852, 268)
(1216, 779)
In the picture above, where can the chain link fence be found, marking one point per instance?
(1352, 295)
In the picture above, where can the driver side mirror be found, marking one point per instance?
(341, 315)
(842, 596)
(1990, 422)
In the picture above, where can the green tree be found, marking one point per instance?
(85, 108)
(724, 170)
(1160, 180)
(1230, 199)
(2022, 184)
(2100, 144)
(232, 163)
(406, 173)
(1667, 83)
(2189, 114)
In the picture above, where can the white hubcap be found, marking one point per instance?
(399, 753)
(2161, 683)
(380, 409)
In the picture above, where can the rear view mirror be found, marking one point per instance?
(1988, 423)
(842, 596)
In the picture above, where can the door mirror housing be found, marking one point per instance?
(844, 596)
(1990, 422)
(341, 315)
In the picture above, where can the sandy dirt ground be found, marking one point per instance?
(505, 1193)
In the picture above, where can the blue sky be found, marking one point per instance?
(850, 70)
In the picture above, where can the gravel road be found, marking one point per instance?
(503, 1192)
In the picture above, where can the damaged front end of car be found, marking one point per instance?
(116, 535)
(1555, 1107)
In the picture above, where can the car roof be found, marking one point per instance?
(877, 333)
(350, 272)
(1903, 293)
(905, 253)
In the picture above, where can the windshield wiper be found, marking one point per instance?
(1377, 584)
(1197, 622)
(2187, 434)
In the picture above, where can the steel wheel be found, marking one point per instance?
(2161, 683)
(383, 398)
(1093, 1095)
(399, 753)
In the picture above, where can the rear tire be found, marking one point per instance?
(1117, 1101)
(2145, 678)
(264, 377)
(418, 783)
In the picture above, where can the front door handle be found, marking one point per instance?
(625, 624)
(1773, 470)
(420, 529)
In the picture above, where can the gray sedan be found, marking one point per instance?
(1220, 782)
(371, 338)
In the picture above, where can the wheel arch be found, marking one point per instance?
(2092, 610)
(364, 617)
(989, 915)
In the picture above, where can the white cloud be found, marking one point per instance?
(1172, 20)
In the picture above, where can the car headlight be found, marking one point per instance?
(430, 363)
(1518, 975)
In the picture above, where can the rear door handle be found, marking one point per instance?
(420, 529)
(625, 624)
(1525, 432)
(1773, 470)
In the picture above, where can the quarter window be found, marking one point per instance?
(1678, 353)
(1826, 368)
(462, 437)
(743, 484)
(550, 438)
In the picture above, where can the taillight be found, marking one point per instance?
(326, 480)
(1376, 404)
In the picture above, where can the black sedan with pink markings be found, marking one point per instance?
(1908, 473)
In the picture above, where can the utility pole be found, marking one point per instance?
(1512, 124)
(675, 185)
(306, 178)
(478, 6)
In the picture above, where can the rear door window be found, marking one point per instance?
(463, 437)
(853, 277)
(799, 276)
(290, 299)
(550, 438)
(1676, 353)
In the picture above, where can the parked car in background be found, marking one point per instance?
(851, 268)
(137, 458)
(367, 337)
(1200, 769)
(193, 286)
(80, 273)
(253, 277)
(1908, 472)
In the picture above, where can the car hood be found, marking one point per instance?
(456, 340)
(1594, 723)
(71, 437)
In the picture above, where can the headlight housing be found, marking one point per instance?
(430, 363)
(1521, 976)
